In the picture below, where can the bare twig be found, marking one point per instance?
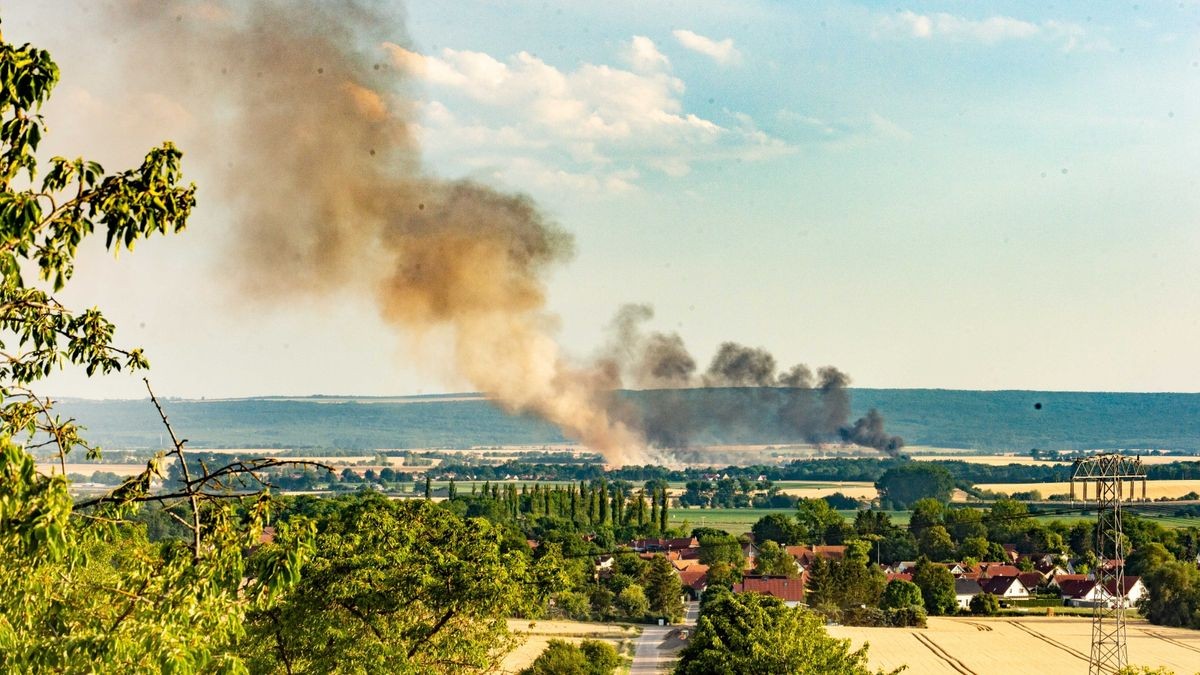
(187, 476)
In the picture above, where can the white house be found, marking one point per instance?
(964, 590)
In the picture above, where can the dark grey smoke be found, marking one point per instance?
(739, 366)
(868, 431)
(799, 377)
(739, 396)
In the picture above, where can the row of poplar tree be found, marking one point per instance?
(596, 503)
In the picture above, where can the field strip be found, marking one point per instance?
(944, 655)
(1166, 638)
(1051, 641)
(978, 626)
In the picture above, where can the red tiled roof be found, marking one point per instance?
(998, 585)
(694, 577)
(1031, 579)
(1060, 578)
(806, 554)
(1130, 582)
(786, 589)
(992, 570)
(1075, 588)
(902, 576)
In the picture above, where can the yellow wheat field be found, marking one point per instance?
(1006, 646)
(1154, 488)
(855, 490)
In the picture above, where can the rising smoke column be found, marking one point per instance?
(310, 101)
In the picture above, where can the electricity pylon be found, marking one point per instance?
(1110, 472)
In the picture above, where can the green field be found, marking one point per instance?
(737, 521)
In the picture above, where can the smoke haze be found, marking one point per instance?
(310, 101)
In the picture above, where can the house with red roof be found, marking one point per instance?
(788, 589)
(805, 555)
(1008, 588)
(694, 579)
(1089, 592)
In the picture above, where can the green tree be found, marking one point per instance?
(910, 482)
(774, 560)
(1147, 558)
(751, 634)
(926, 513)
(1008, 520)
(964, 524)
(819, 591)
(935, 543)
(662, 511)
(632, 602)
(378, 596)
(775, 527)
(818, 523)
(723, 574)
(937, 587)
(973, 547)
(664, 590)
(1172, 595)
(984, 604)
(899, 594)
(715, 548)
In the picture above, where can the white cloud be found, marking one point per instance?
(723, 51)
(644, 56)
(989, 31)
(846, 133)
(559, 126)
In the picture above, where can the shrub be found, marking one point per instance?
(985, 604)
(591, 657)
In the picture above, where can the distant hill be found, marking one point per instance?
(985, 420)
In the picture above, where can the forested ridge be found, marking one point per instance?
(984, 420)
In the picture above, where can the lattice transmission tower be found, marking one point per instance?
(1111, 473)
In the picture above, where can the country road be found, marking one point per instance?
(659, 645)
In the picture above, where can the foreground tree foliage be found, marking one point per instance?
(750, 633)
(399, 586)
(81, 589)
(395, 588)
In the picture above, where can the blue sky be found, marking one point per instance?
(959, 195)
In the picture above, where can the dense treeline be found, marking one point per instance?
(849, 470)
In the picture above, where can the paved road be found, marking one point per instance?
(655, 652)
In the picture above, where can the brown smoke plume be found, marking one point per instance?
(308, 100)
(304, 109)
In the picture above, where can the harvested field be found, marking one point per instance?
(817, 490)
(989, 460)
(1154, 488)
(1002, 646)
(1024, 460)
(539, 633)
(87, 469)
